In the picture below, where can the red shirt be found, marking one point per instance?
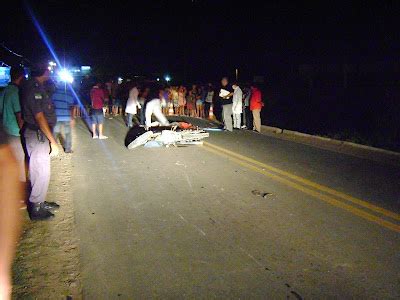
(256, 100)
(97, 96)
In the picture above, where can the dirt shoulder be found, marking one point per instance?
(47, 259)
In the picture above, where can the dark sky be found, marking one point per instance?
(204, 39)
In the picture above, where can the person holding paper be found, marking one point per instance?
(225, 97)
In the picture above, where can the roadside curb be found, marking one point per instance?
(333, 142)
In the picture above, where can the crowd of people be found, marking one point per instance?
(237, 106)
(38, 112)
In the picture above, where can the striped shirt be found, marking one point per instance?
(63, 101)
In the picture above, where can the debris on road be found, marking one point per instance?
(177, 134)
(258, 193)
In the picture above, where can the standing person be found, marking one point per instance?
(40, 118)
(256, 105)
(181, 100)
(199, 102)
(132, 105)
(191, 101)
(11, 118)
(225, 96)
(64, 106)
(209, 100)
(165, 100)
(116, 99)
(175, 99)
(237, 106)
(10, 219)
(108, 100)
(97, 97)
(142, 102)
(153, 106)
(247, 115)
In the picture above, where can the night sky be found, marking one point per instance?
(202, 39)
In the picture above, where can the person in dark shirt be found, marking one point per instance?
(225, 97)
(40, 118)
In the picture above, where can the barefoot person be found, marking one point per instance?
(97, 97)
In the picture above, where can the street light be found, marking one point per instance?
(65, 75)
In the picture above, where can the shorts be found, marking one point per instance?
(199, 102)
(97, 116)
(117, 102)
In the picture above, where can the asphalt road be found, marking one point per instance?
(177, 223)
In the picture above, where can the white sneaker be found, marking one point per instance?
(103, 137)
(95, 137)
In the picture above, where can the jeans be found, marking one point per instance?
(130, 118)
(227, 116)
(66, 140)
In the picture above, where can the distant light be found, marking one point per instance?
(65, 76)
(158, 79)
(167, 78)
(120, 79)
(52, 64)
(85, 68)
(26, 76)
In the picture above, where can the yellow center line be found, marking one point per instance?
(326, 198)
(309, 183)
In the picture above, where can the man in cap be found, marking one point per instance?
(40, 118)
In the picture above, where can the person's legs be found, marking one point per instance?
(142, 116)
(39, 165)
(57, 130)
(68, 137)
(257, 120)
(249, 118)
(237, 120)
(100, 121)
(207, 109)
(93, 118)
(129, 119)
(149, 112)
(227, 116)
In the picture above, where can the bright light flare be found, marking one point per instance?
(167, 78)
(65, 76)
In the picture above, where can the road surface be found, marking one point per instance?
(188, 223)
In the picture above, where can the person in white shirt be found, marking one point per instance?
(153, 106)
(237, 106)
(132, 105)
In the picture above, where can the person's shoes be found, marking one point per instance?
(38, 212)
(69, 151)
(51, 205)
(103, 137)
(95, 137)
